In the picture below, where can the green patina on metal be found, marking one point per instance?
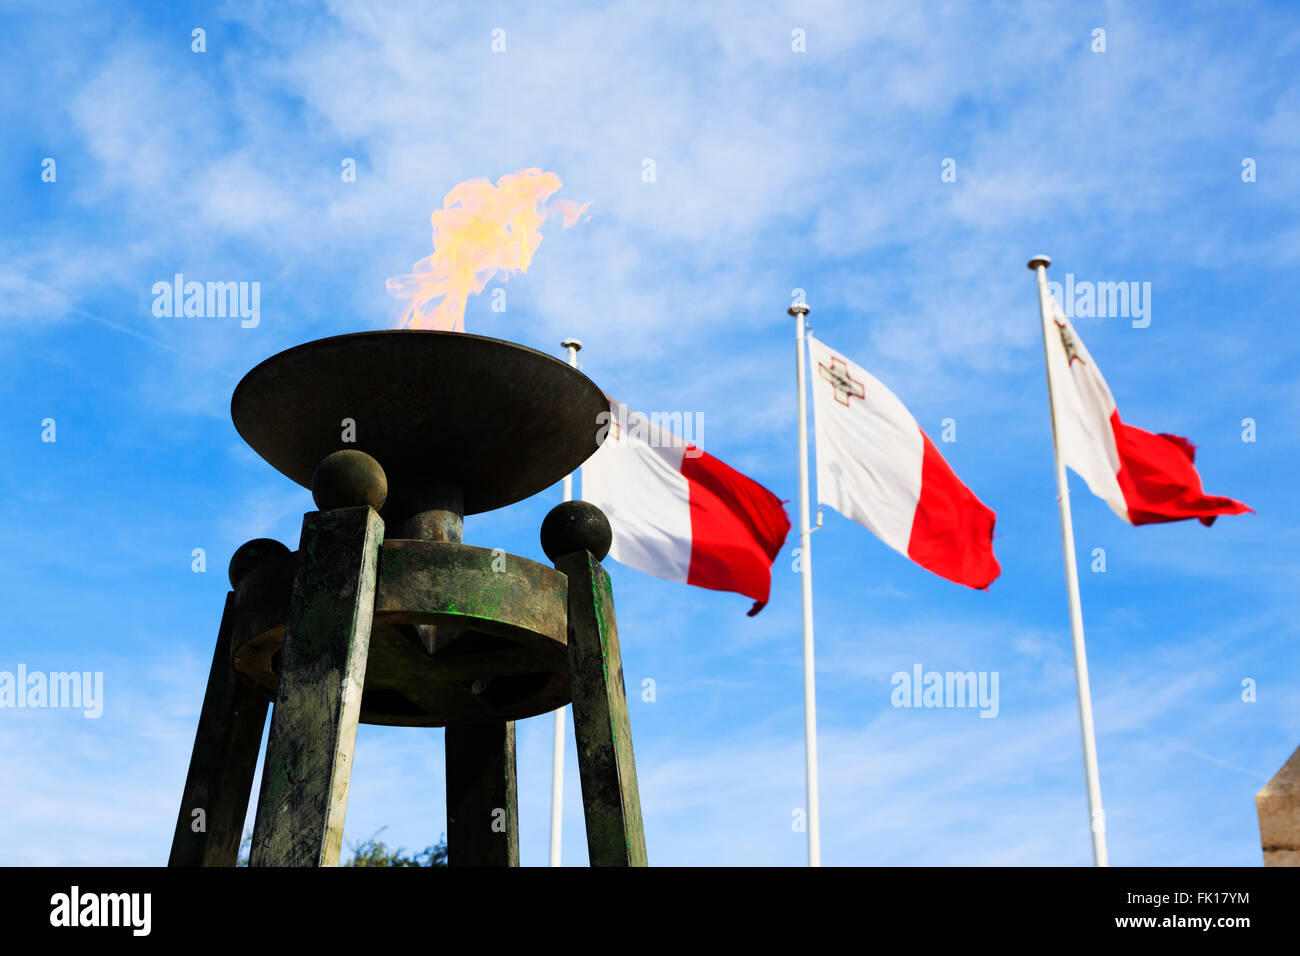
(615, 836)
(443, 620)
(600, 586)
(428, 577)
(313, 726)
(600, 628)
(277, 781)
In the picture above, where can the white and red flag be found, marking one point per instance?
(877, 467)
(681, 514)
(1144, 477)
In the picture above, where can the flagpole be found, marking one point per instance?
(1096, 815)
(557, 744)
(799, 311)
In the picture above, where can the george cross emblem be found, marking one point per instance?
(1067, 342)
(837, 373)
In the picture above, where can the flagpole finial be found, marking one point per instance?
(799, 308)
(1039, 260)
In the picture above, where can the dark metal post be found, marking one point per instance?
(308, 768)
(429, 511)
(223, 763)
(482, 800)
(610, 798)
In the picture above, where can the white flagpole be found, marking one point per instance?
(557, 755)
(1096, 815)
(805, 564)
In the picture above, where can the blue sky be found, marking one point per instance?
(774, 170)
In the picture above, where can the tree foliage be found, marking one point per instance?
(374, 852)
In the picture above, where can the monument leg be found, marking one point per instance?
(611, 801)
(308, 768)
(223, 763)
(482, 799)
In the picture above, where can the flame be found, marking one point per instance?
(480, 230)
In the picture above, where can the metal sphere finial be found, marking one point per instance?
(249, 555)
(349, 478)
(576, 526)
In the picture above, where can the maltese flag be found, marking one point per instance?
(681, 514)
(1144, 477)
(876, 466)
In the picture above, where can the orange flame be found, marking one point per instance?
(480, 230)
